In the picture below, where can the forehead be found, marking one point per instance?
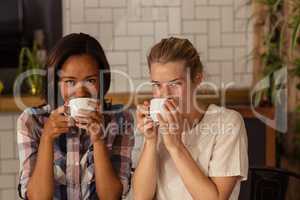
(167, 71)
(79, 65)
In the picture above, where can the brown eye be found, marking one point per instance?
(70, 83)
(91, 81)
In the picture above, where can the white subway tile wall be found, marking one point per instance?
(9, 163)
(127, 29)
(219, 29)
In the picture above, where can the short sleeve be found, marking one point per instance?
(28, 146)
(122, 149)
(230, 151)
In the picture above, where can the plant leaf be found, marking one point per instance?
(295, 32)
(257, 98)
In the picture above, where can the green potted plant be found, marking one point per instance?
(29, 60)
(294, 25)
(1, 86)
(271, 55)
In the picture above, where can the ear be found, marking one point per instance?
(198, 78)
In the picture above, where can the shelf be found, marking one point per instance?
(9, 103)
(232, 97)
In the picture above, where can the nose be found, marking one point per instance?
(81, 91)
(165, 91)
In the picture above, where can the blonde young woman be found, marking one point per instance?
(196, 151)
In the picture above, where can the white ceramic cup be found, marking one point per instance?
(81, 103)
(156, 106)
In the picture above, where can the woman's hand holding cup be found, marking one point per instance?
(87, 115)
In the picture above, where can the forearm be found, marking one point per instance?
(197, 183)
(108, 185)
(41, 184)
(145, 175)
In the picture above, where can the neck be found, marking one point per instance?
(196, 114)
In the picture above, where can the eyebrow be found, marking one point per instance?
(72, 77)
(174, 80)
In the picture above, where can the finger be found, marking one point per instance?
(146, 103)
(176, 116)
(149, 130)
(88, 112)
(94, 128)
(161, 120)
(59, 110)
(141, 126)
(61, 130)
(172, 105)
(84, 111)
(96, 116)
(93, 115)
(148, 127)
(99, 108)
(172, 114)
(169, 112)
(82, 126)
(82, 120)
(96, 104)
(142, 111)
(174, 102)
(93, 102)
(62, 119)
(61, 124)
(147, 120)
(148, 124)
(163, 126)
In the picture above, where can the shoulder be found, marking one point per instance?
(223, 114)
(223, 120)
(34, 112)
(32, 118)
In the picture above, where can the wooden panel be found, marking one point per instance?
(8, 103)
(270, 145)
(233, 97)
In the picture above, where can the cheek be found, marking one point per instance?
(182, 95)
(94, 87)
(65, 91)
(156, 92)
(178, 91)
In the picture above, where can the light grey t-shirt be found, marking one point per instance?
(219, 146)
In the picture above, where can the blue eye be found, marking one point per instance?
(155, 85)
(175, 84)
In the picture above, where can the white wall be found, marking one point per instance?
(128, 28)
(9, 163)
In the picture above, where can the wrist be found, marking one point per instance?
(151, 142)
(176, 148)
(98, 142)
(47, 138)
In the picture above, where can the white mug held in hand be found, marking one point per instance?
(81, 104)
(156, 106)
